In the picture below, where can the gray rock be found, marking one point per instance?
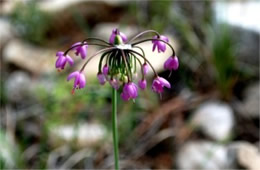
(215, 119)
(247, 53)
(18, 86)
(6, 32)
(251, 101)
(58, 5)
(31, 58)
(203, 155)
(85, 135)
(246, 155)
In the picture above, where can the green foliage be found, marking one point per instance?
(10, 155)
(159, 14)
(155, 14)
(3, 99)
(223, 59)
(61, 106)
(30, 22)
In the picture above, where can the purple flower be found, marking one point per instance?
(159, 83)
(161, 46)
(113, 35)
(130, 91)
(79, 81)
(62, 60)
(105, 69)
(145, 68)
(142, 84)
(82, 50)
(101, 78)
(172, 63)
(114, 83)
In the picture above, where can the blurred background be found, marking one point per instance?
(209, 119)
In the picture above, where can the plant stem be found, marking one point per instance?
(114, 127)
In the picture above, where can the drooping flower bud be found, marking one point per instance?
(145, 68)
(105, 69)
(101, 78)
(142, 84)
(114, 83)
(161, 46)
(117, 37)
(172, 63)
(159, 83)
(79, 81)
(62, 60)
(130, 91)
(80, 49)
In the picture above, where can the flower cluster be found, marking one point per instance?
(118, 62)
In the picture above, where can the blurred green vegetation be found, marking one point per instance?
(10, 153)
(224, 60)
(30, 22)
(156, 12)
(3, 99)
(92, 103)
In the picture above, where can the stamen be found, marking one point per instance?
(73, 91)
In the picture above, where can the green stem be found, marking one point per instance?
(114, 126)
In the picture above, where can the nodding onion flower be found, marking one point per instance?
(118, 62)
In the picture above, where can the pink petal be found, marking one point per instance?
(72, 75)
(75, 44)
(58, 62)
(83, 51)
(112, 38)
(59, 53)
(154, 46)
(82, 80)
(76, 81)
(125, 96)
(164, 82)
(70, 60)
(123, 36)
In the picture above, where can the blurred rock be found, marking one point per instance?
(8, 6)
(90, 134)
(251, 101)
(18, 86)
(31, 58)
(85, 135)
(7, 32)
(247, 53)
(58, 5)
(203, 155)
(246, 155)
(215, 119)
